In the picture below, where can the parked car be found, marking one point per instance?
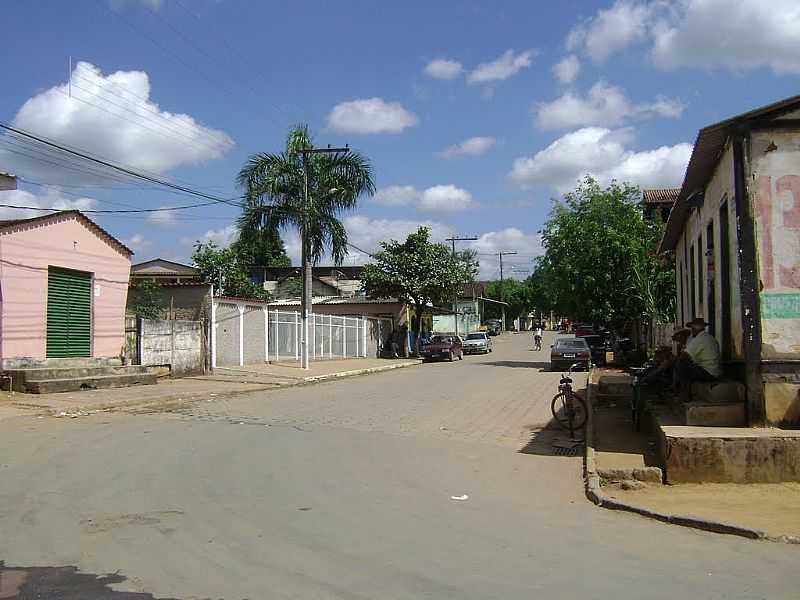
(583, 329)
(493, 326)
(477, 343)
(443, 347)
(567, 351)
(597, 347)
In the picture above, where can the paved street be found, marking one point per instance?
(343, 490)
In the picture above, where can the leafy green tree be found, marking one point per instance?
(601, 261)
(420, 271)
(265, 247)
(228, 271)
(148, 301)
(515, 293)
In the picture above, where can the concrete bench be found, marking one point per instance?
(716, 404)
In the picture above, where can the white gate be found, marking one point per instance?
(248, 332)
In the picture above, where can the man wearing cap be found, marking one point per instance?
(700, 361)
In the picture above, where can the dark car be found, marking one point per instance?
(493, 326)
(567, 351)
(598, 347)
(443, 347)
(583, 329)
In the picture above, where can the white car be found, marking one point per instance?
(477, 343)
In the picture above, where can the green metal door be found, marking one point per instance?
(69, 313)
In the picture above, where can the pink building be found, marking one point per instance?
(63, 289)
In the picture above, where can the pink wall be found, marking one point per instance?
(26, 252)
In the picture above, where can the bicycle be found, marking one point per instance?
(537, 344)
(568, 408)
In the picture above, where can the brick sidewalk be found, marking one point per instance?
(223, 382)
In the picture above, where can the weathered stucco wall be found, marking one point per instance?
(775, 183)
(227, 334)
(718, 191)
(175, 343)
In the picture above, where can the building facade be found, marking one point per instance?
(63, 288)
(735, 234)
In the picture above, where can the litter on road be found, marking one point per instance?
(460, 498)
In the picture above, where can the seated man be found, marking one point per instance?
(700, 361)
(663, 371)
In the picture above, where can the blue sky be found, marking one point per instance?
(475, 115)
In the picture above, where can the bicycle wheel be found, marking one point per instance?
(563, 411)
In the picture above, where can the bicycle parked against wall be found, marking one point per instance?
(568, 408)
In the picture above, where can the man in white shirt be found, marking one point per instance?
(700, 361)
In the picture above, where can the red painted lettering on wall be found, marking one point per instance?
(790, 274)
(764, 210)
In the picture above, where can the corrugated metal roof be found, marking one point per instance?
(708, 149)
(660, 195)
(69, 213)
(335, 300)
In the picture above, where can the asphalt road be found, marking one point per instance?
(343, 490)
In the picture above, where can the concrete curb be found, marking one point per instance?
(595, 493)
(195, 396)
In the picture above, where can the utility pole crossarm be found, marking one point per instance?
(455, 239)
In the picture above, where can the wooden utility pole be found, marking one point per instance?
(455, 298)
(501, 254)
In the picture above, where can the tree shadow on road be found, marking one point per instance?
(64, 583)
(549, 439)
(518, 364)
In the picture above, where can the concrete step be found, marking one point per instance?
(59, 363)
(715, 414)
(49, 386)
(39, 373)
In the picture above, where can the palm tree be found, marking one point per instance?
(305, 191)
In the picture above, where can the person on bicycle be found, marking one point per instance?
(537, 337)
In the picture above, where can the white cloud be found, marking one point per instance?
(113, 116)
(604, 154)
(567, 69)
(370, 115)
(164, 217)
(604, 105)
(51, 198)
(612, 29)
(702, 34)
(445, 198)
(438, 198)
(500, 69)
(366, 233)
(745, 34)
(510, 239)
(137, 242)
(442, 68)
(474, 146)
(223, 237)
(396, 195)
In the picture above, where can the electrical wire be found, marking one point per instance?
(120, 168)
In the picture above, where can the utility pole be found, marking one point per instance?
(306, 250)
(501, 254)
(455, 239)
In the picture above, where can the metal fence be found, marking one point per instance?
(249, 332)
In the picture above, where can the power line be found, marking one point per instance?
(119, 168)
(188, 65)
(161, 122)
(109, 211)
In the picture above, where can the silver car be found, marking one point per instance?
(477, 343)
